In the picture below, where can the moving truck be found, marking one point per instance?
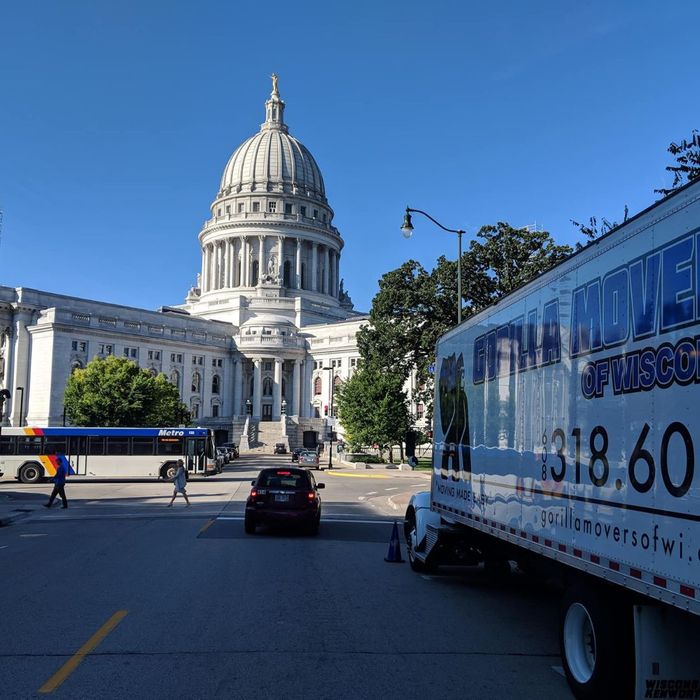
(567, 439)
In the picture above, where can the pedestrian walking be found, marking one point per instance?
(59, 484)
(180, 482)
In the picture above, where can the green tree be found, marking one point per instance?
(413, 307)
(115, 392)
(373, 407)
(687, 165)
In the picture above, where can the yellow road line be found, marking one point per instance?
(358, 476)
(206, 526)
(55, 681)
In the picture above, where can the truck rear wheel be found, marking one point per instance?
(410, 535)
(596, 640)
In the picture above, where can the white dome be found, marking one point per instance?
(273, 161)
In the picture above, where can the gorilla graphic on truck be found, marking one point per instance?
(455, 455)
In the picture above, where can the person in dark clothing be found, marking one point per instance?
(59, 485)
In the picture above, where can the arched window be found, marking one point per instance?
(317, 386)
(287, 273)
(175, 378)
(196, 380)
(267, 386)
(337, 381)
(215, 383)
(256, 267)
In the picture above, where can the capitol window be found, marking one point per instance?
(131, 352)
(105, 349)
(256, 206)
(288, 209)
(317, 386)
(241, 208)
(154, 354)
(272, 207)
(302, 210)
(79, 346)
(215, 410)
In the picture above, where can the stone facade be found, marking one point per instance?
(262, 334)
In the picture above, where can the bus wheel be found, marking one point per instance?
(596, 639)
(168, 472)
(30, 473)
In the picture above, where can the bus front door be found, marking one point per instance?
(196, 459)
(77, 454)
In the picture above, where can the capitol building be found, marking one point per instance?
(261, 340)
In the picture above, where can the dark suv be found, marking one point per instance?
(284, 496)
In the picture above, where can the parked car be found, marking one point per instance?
(284, 496)
(296, 452)
(308, 458)
(280, 448)
(232, 448)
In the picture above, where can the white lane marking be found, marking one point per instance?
(36, 534)
(360, 498)
(372, 493)
(392, 488)
(4, 546)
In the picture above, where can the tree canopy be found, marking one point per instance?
(115, 392)
(414, 307)
(372, 406)
(687, 165)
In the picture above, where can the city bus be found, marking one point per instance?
(31, 454)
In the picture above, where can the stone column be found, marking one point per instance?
(297, 266)
(20, 366)
(306, 387)
(227, 263)
(296, 394)
(262, 262)
(257, 388)
(327, 272)
(314, 269)
(337, 273)
(237, 386)
(277, 390)
(244, 262)
(205, 268)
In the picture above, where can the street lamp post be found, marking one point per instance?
(407, 230)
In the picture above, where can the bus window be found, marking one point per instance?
(96, 446)
(117, 445)
(142, 446)
(170, 446)
(54, 445)
(29, 445)
(7, 445)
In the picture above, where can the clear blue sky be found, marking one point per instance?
(117, 118)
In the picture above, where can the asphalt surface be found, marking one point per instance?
(120, 596)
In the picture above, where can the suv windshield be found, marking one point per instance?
(283, 478)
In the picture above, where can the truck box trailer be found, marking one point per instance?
(566, 435)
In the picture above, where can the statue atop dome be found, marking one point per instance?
(275, 91)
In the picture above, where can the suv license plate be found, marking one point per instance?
(281, 497)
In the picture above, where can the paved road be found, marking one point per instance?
(184, 604)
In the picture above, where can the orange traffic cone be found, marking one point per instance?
(394, 554)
